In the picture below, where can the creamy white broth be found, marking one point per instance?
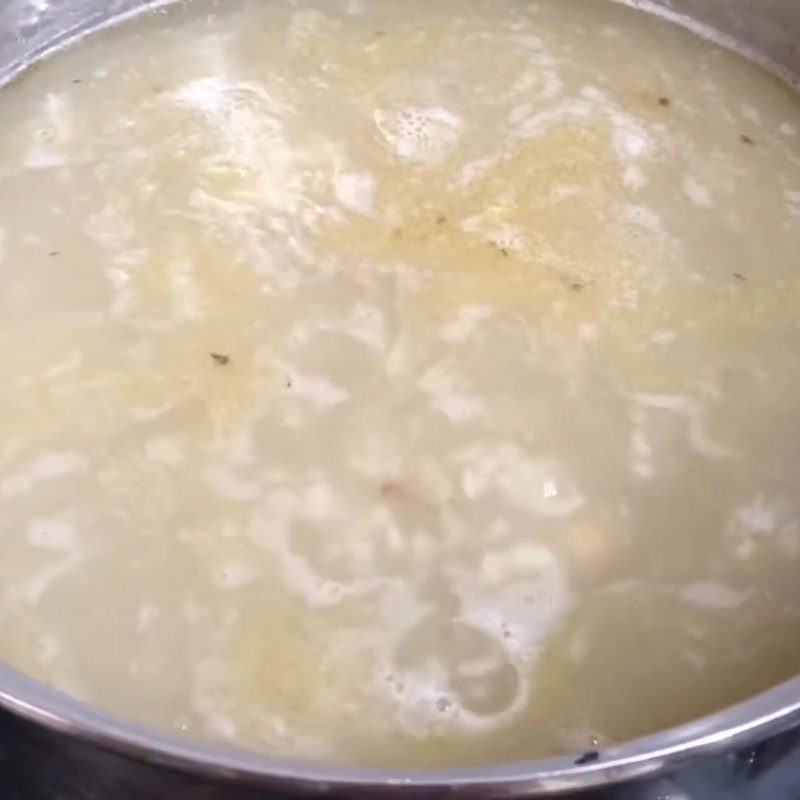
(400, 383)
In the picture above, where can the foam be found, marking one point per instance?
(33, 588)
(712, 595)
(166, 450)
(46, 467)
(224, 480)
(512, 615)
(420, 134)
(690, 409)
(363, 322)
(534, 485)
(467, 320)
(759, 516)
(696, 192)
(356, 191)
(236, 575)
(641, 455)
(793, 202)
(450, 394)
(54, 534)
(633, 178)
(542, 122)
(318, 391)
(146, 616)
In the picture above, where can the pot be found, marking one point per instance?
(52, 746)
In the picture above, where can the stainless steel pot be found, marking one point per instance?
(54, 747)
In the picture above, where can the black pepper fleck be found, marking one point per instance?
(664, 101)
(739, 276)
(589, 757)
(220, 358)
(54, 253)
(745, 139)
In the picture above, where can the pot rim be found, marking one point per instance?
(738, 726)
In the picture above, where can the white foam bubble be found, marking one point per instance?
(697, 192)
(146, 616)
(641, 455)
(684, 406)
(645, 218)
(39, 583)
(166, 450)
(792, 198)
(759, 516)
(564, 191)
(663, 337)
(424, 134)
(226, 482)
(317, 390)
(243, 119)
(187, 302)
(236, 574)
(535, 485)
(477, 168)
(312, 500)
(363, 322)
(356, 190)
(52, 533)
(751, 113)
(46, 467)
(630, 139)
(450, 394)
(467, 320)
(588, 332)
(709, 594)
(375, 456)
(515, 563)
(633, 178)
(541, 123)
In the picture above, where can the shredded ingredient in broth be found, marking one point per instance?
(398, 382)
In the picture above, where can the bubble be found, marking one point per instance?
(420, 134)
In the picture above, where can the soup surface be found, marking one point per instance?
(400, 382)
